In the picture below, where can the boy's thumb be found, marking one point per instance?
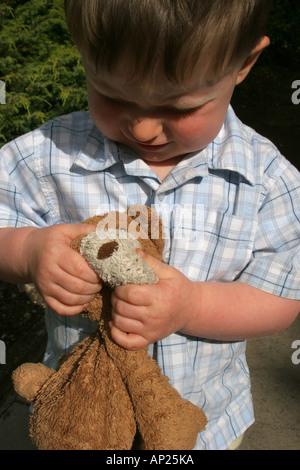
(162, 270)
(72, 231)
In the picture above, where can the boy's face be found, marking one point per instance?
(160, 121)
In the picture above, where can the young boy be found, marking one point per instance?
(160, 131)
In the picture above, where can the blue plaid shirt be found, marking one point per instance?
(236, 205)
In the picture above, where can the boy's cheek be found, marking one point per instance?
(194, 131)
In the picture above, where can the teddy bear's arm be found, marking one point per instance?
(28, 379)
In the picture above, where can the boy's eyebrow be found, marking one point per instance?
(190, 106)
(180, 99)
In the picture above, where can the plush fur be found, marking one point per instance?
(102, 395)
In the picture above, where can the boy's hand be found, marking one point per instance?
(61, 275)
(143, 314)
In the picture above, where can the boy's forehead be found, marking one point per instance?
(121, 80)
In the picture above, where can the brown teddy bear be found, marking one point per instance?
(103, 396)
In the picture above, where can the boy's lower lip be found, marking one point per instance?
(151, 148)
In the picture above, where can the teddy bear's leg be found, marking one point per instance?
(28, 378)
(84, 405)
(166, 421)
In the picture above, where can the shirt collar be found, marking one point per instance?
(97, 153)
(232, 149)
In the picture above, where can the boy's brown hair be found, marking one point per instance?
(173, 34)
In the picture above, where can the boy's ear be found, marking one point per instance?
(252, 58)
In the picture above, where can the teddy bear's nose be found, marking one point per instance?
(106, 250)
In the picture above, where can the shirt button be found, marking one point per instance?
(166, 256)
(161, 197)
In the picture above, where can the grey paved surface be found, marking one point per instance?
(275, 388)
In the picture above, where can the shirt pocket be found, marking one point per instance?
(224, 248)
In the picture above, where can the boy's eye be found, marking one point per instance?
(114, 100)
(187, 111)
(172, 110)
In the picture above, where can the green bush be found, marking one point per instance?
(40, 66)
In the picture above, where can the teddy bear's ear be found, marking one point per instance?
(151, 233)
(156, 231)
(75, 244)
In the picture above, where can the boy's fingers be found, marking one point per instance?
(76, 266)
(130, 341)
(63, 309)
(79, 286)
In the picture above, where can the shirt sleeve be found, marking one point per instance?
(22, 202)
(275, 263)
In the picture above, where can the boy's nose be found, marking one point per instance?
(145, 129)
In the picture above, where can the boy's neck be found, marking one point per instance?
(162, 169)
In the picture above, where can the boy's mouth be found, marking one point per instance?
(150, 148)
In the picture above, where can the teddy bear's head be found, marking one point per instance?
(111, 251)
(112, 255)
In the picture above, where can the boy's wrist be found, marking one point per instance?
(194, 306)
(29, 243)
(16, 243)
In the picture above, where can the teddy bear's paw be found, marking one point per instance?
(187, 423)
(174, 432)
(28, 378)
(170, 425)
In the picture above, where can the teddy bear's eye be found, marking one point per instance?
(106, 250)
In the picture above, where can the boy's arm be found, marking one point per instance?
(221, 311)
(44, 256)
(236, 311)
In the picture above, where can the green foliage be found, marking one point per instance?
(40, 66)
